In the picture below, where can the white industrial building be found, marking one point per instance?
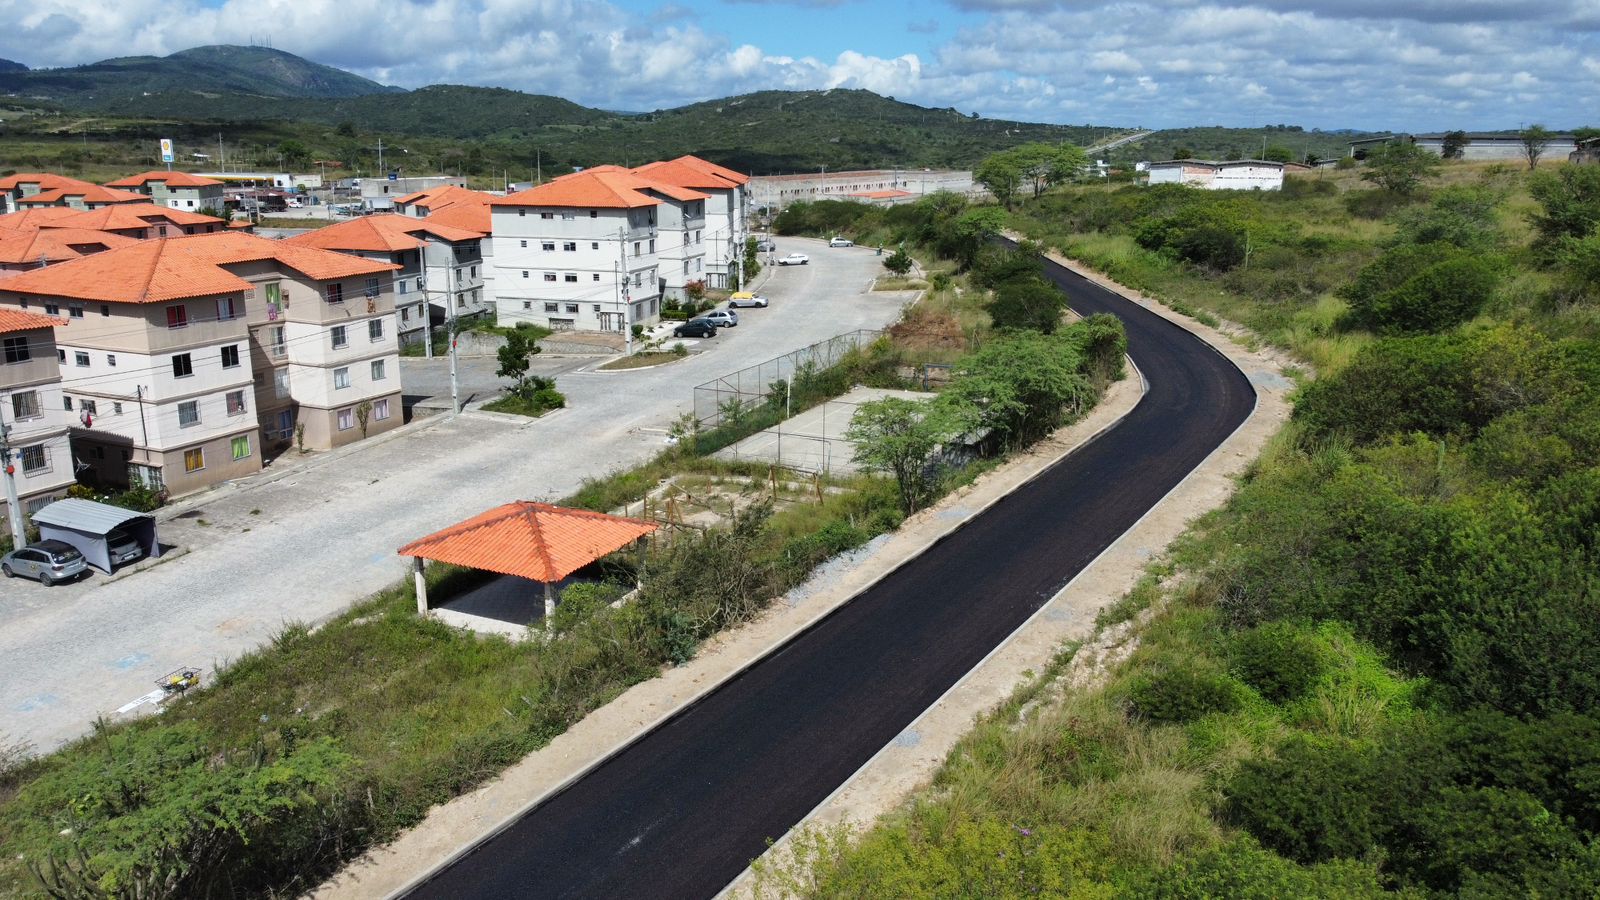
(1478, 146)
(884, 186)
(1234, 175)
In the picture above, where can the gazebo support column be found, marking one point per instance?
(422, 585)
(549, 603)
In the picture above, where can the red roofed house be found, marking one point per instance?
(185, 358)
(726, 208)
(581, 251)
(81, 195)
(30, 405)
(32, 248)
(177, 190)
(439, 265)
(140, 221)
(422, 204)
(16, 188)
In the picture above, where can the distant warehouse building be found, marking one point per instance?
(1479, 145)
(1235, 175)
(881, 186)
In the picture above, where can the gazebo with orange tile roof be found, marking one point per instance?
(530, 540)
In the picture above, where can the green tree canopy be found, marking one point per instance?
(899, 436)
(1535, 138)
(1027, 303)
(1400, 167)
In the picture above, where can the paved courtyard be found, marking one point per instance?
(310, 535)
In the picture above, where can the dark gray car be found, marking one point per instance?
(51, 562)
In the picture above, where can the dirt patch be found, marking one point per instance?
(924, 329)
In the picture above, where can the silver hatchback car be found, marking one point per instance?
(51, 562)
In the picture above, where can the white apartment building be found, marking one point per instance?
(31, 408)
(581, 252)
(175, 190)
(726, 209)
(188, 358)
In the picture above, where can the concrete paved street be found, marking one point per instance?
(311, 535)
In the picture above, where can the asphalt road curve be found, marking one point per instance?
(682, 811)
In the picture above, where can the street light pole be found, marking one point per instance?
(19, 538)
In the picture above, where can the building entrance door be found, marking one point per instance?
(611, 321)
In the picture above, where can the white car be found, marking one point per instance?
(841, 242)
(722, 318)
(794, 259)
(745, 298)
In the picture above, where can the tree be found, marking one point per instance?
(294, 153)
(1569, 201)
(363, 416)
(514, 361)
(1278, 153)
(1455, 142)
(1534, 139)
(899, 436)
(1002, 174)
(1027, 303)
(1184, 152)
(899, 262)
(971, 231)
(1466, 217)
(1400, 167)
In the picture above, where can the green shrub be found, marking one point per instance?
(1312, 803)
(1395, 386)
(1027, 302)
(1440, 296)
(1182, 694)
(1278, 659)
(581, 601)
(1240, 870)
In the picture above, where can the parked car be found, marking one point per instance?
(766, 246)
(52, 562)
(722, 318)
(745, 298)
(122, 548)
(696, 327)
(841, 242)
(794, 259)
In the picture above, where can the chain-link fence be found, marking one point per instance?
(752, 386)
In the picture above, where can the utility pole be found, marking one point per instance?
(622, 288)
(381, 171)
(455, 386)
(19, 538)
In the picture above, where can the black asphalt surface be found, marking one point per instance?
(681, 812)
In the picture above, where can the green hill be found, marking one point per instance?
(198, 72)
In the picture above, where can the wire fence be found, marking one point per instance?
(733, 394)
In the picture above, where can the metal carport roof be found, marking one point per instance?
(85, 515)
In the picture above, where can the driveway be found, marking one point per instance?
(311, 535)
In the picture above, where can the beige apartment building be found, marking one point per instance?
(31, 410)
(184, 360)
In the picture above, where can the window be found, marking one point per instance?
(25, 405)
(527, 304)
(275, 336)
(549, 276)
(571, 277)
(375, 329)
(377, 370)
(403, 286)
(545, 215)
(230, 356)
(194, 460)
(597, 307)
(88, 406)
(570, 246)
(280, 382)
(111, 360)
(594, 213)
(66, 402)
(552, 307)
(105, 309)
(594, 245)
(524, 273)
(340, 341)
(189, 413)
(652, 245)
(80, 358)
(17, 350)
(182, 367)
(347, 420)
(636, 248)
(372, 288)
(274, 293)
(568, 216)
(335, 293)
(548, 245)
(75, 310)
(597, 276)
(236, 403)
(61, 355)
(33, 458)
(241, 446)
(224, 309)
(177, 316)
(524, 244)
(474, 271)
(380, 409)
(572, 308)
(341, 378)
(51, 308)
(460, 276)
(522, 212)
(116, 408)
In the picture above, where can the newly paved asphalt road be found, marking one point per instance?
(313, 534)
(684, 810)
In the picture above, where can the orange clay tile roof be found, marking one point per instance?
(127, 216)
(466, 215)
(13, 320)
(91, 193)
(172, 179)
(35, 218)
(532, 540)
(385, 233)
(47, 181)
(685, 174)
(55, 244)
(175, 268)
(440, 197)
(608, 188)
(881, 195)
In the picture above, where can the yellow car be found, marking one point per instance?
(745, 298)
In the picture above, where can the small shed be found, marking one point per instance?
(84, 524)
(530, 540)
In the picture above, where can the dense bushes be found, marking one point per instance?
(1421, 288)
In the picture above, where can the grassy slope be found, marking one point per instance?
(1071, 792)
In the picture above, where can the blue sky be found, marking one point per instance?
(1368, 64)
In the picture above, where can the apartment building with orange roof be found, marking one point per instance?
(82, 195)
(32, 248)
(140, 221)
(421, 204)
(176, 190)
(440, 266)
(186, 359)
(722, 238)
(580, 252)
(31, 409)
(15, 188)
